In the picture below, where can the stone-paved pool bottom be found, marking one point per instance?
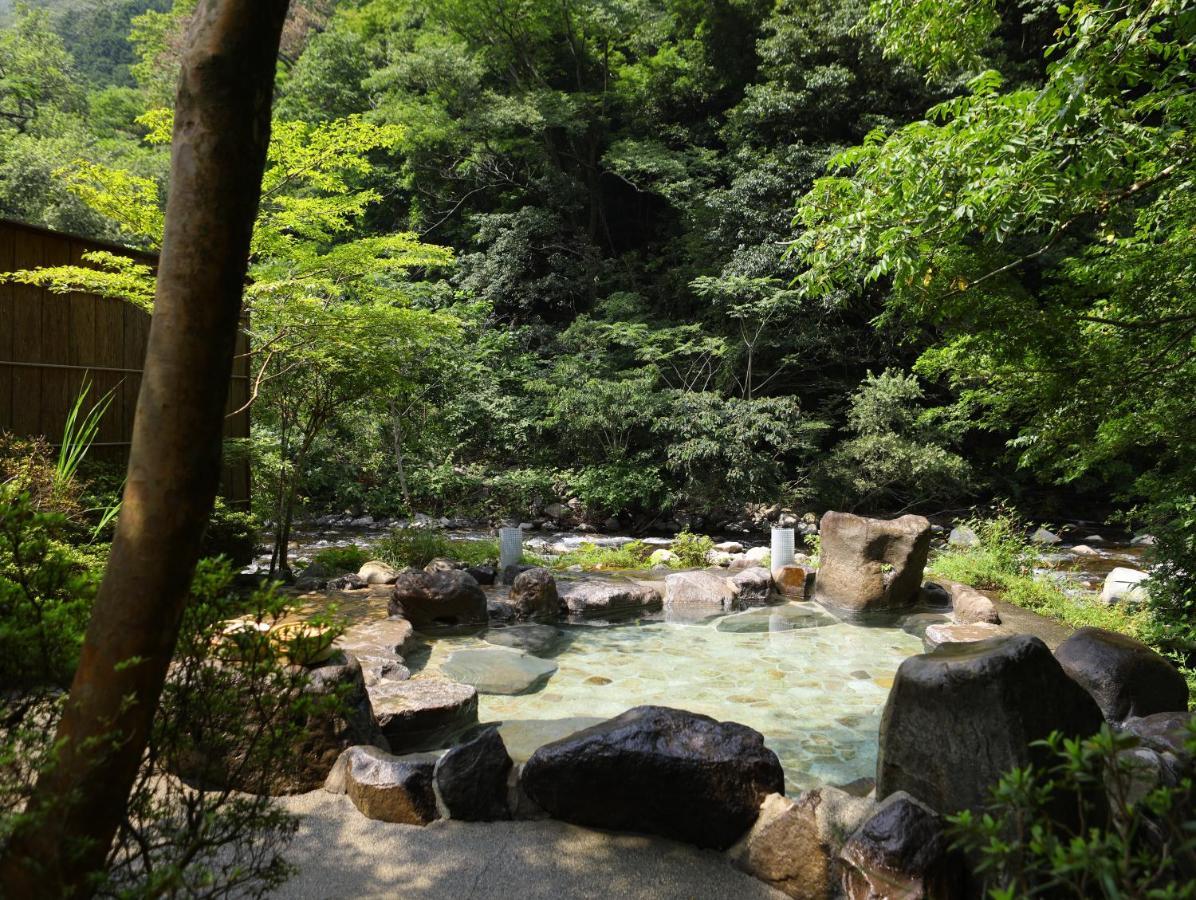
(815, 693)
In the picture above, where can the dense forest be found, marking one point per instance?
(692, 267)
(669, 257)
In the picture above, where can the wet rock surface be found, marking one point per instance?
(871, 564)
(984, 703)
(1124, 676)
(538, 640)
(776, 618)
(657, 770)
(752, 587)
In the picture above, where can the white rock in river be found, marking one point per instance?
(661, 557)
(498, 671)
(963, 536)
(1124, 585)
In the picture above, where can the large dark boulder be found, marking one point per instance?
(1124, 676)
(657, 770)
(963, 715)
(390, 788)
(902, 851)
(534, 596)
(472, 779)
(439, 598)
(871, 564)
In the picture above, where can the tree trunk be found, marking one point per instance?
(221, 131)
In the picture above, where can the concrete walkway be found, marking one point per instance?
(342, 854)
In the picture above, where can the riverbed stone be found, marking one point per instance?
(795, 843)
(961, 716)
(1044, 537)
(658, 770)
(937, 635)
(513, 571)
(534, 596)
(392, 636)
(698, 590)
(963, 536)
(752, 587)
(608, 597)
(375, 571)
(902, 850)
(1166, 733)
(1124, 585)
(729, 547)
(423, 713)
(483, 574)
(793, 581)
(1124, 676)
(789, 617)
(391, 788)
(969, 606)
(471, 779)
(538, 640)
(499, 670)
(872, 564)
(431, 599)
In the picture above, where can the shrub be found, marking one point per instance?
(1171, 625)
(231, 533)
(632, 555)
(691, 549)
(1124, 841)
(46, 590)
(336, 560)
(411, 547)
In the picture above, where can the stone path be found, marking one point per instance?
(343, 854)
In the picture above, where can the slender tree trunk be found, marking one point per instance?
(397, 435)
(221, 130)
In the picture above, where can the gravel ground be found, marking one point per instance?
(342, 854)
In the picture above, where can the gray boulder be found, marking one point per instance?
(794, 845)
(871, 564)
(698, 590)
(377, 572)
(938, 634)
(471, 779)
(660, 771)
(1044, 537)
(752, 587)
(969, 606)
(483, 574)
(423, 713)
(1124, 676)
(431, 599)
(390, 788)
(534, 596)
(960, 717)
(596, 598)
(963, 536)
(1124, 585)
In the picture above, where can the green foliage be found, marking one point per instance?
(46, 589)
(900, 455)
(1005, 561)
(1142, 845)
(691, 549)
(336, 560)
(419, 546)
(231, 534)
(1171, 627)
(629, 556)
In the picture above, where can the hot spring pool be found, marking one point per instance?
(814, 686)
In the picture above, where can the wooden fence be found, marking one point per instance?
(50, 344)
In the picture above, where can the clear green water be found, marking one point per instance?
(816, 694)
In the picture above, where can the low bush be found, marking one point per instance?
(419, 546)
(633, 555)
(232, 534)
(1126, 839)
(338, 560)
(690, 550)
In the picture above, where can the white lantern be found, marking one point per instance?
(510, 546)
(782, 547)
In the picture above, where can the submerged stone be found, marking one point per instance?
(776, 618)
(538, 640)
(499, 671)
